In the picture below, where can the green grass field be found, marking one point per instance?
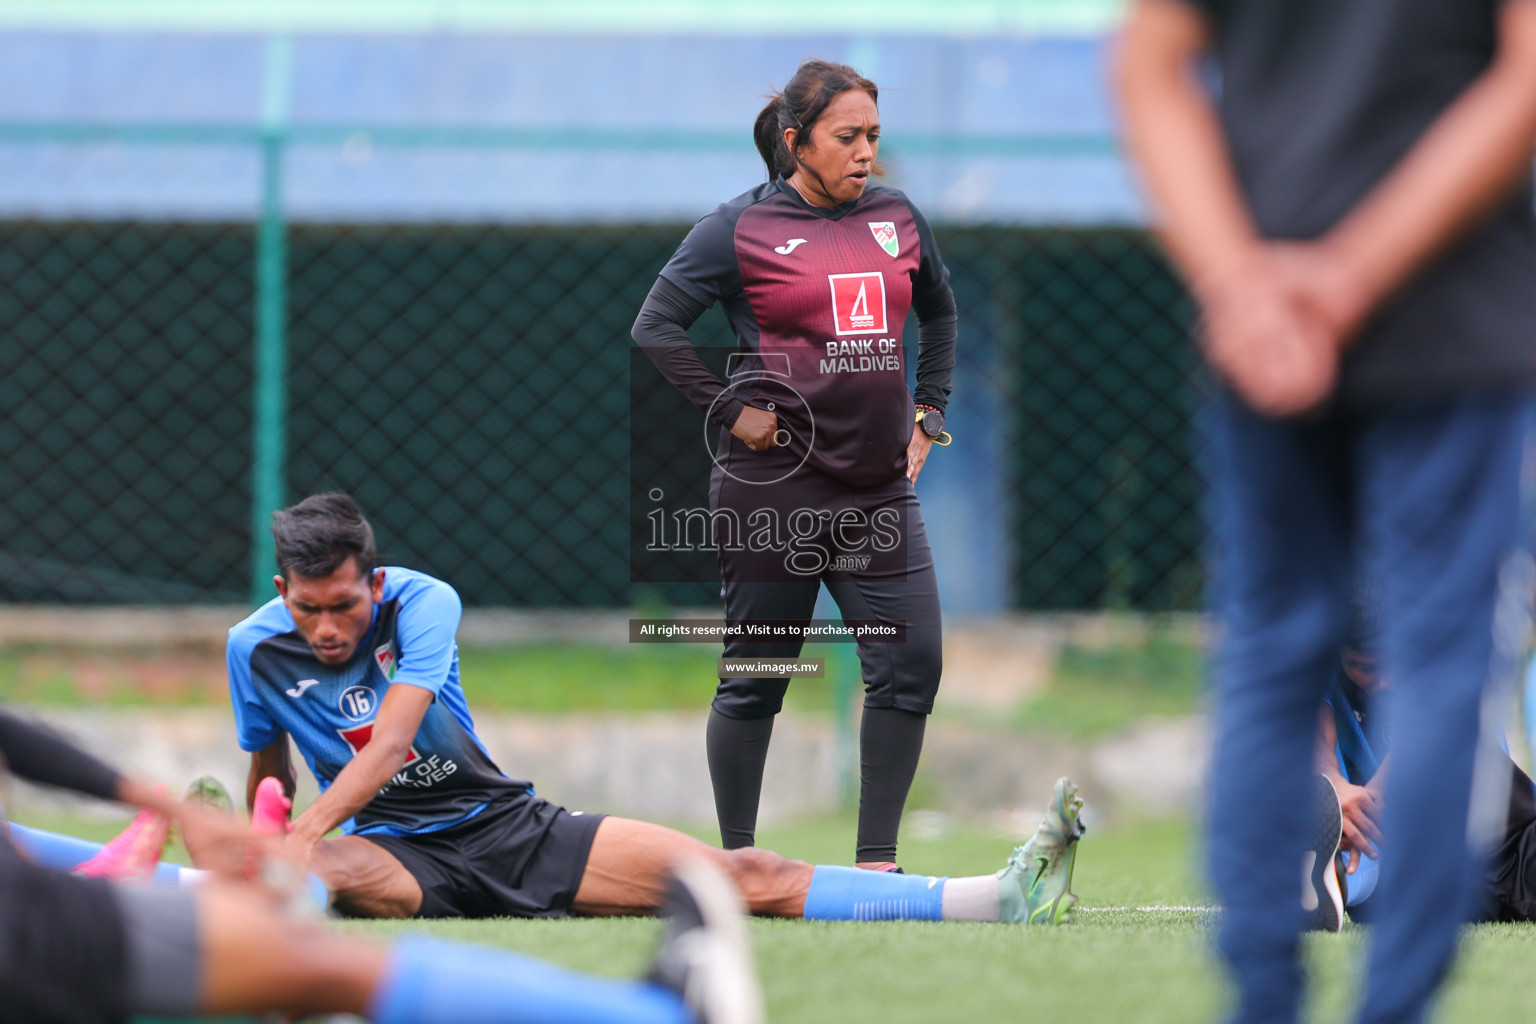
(1137, 950)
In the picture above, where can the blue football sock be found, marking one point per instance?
(319, 896)
(1359, 886)
(434, 982)
(854, 894)
(65, 853)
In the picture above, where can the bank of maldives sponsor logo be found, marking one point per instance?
(858, 303)
(885, 233)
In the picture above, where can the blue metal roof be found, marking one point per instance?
(525, 127)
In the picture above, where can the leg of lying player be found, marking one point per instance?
(222, 948)
(629, 861)
(627, 865)
(134, 855)
(69, 853)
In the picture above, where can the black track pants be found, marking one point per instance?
(869, 547)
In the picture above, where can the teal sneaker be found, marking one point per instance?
(1035, 887)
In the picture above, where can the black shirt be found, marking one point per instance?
(1319, 100)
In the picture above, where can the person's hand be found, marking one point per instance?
(756, 428)
(1325, 285)
(1274, 352)
(917, 452)
(1361, 807)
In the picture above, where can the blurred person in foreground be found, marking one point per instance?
(93, 950)
(1352, 212)
(358, 664)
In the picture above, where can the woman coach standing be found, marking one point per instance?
(821, 442)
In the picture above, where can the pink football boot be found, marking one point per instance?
(269, 813)
(303, 894)
(134, 854)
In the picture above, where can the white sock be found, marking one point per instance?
(970, 899)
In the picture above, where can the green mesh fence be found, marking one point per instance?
(468, 384)
(125, 379)
(1104, 497)
(469, 387)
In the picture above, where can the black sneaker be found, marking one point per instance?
(705, 956)
(1321, 895)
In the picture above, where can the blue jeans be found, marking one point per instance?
(1426, 501)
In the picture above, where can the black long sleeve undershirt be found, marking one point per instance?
(937, 337)
(662, 330)
(41, 755)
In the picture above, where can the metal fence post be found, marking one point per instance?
(269, 404)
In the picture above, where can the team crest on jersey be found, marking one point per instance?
(858, 303)
(385, 656)
(885, 233)
(358, 736)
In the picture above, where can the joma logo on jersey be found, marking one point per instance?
(358, 736)
(858, 303)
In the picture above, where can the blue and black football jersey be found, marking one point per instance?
(1355, 751)
(277, 685)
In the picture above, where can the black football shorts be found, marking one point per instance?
(520, 857)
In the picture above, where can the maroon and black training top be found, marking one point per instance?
(817, 299)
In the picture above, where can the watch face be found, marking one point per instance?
(933, 423)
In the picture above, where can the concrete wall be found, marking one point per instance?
(653, 767)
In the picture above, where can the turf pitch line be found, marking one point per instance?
(1143, 910)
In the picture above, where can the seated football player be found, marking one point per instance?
(358, 665)
(81, 950)
(1353, 754)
